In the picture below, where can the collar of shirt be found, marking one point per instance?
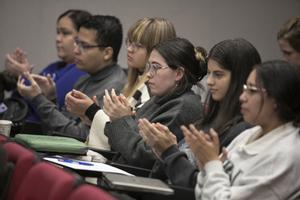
(254, 144)
(104, 72)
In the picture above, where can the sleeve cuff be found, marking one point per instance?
(40, 97)
(213, 166)
(91, 111)
(169, 151)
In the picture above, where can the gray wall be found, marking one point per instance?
(30, 24)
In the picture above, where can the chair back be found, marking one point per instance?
(46, 181)
(22, 159)
(89, 192)
(3, 139)
(6, 169)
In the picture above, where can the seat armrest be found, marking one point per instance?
(137, 171)
(106, 153)
(180, 193)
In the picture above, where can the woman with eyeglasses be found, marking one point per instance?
(59, 77)
(172, 69)
(141, 37)
(262, 162)
(229, 64)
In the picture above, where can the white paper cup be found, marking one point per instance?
(5, 126)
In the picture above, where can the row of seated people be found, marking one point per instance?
(276, 123)
(172, 68)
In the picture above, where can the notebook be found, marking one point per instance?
(136, 184)
(58, 144)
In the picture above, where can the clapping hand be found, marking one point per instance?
(28, 91)
(156, 135)
(47, 85)
(77, 102)
(204, 146)
(116, 106)
(17, 63)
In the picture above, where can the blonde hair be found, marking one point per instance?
(200, 54)
(148, 32)
(290, 31)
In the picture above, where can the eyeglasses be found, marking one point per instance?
(252, 89)
(152, 68)
(83, 46)
(134, 45)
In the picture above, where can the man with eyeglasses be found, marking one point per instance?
(96, 52)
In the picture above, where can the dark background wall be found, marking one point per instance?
(30, 24)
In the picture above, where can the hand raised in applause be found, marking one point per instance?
(77, 103)
(46, 84)
(156, 135)
(17, 62)
(28, 91)
(204, 146)
(116, 106)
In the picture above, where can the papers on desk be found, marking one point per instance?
(86, 165)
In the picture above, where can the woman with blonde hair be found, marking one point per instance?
(142, 36)
(288, 38)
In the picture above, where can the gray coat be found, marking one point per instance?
(172, 110)
(110, 77)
